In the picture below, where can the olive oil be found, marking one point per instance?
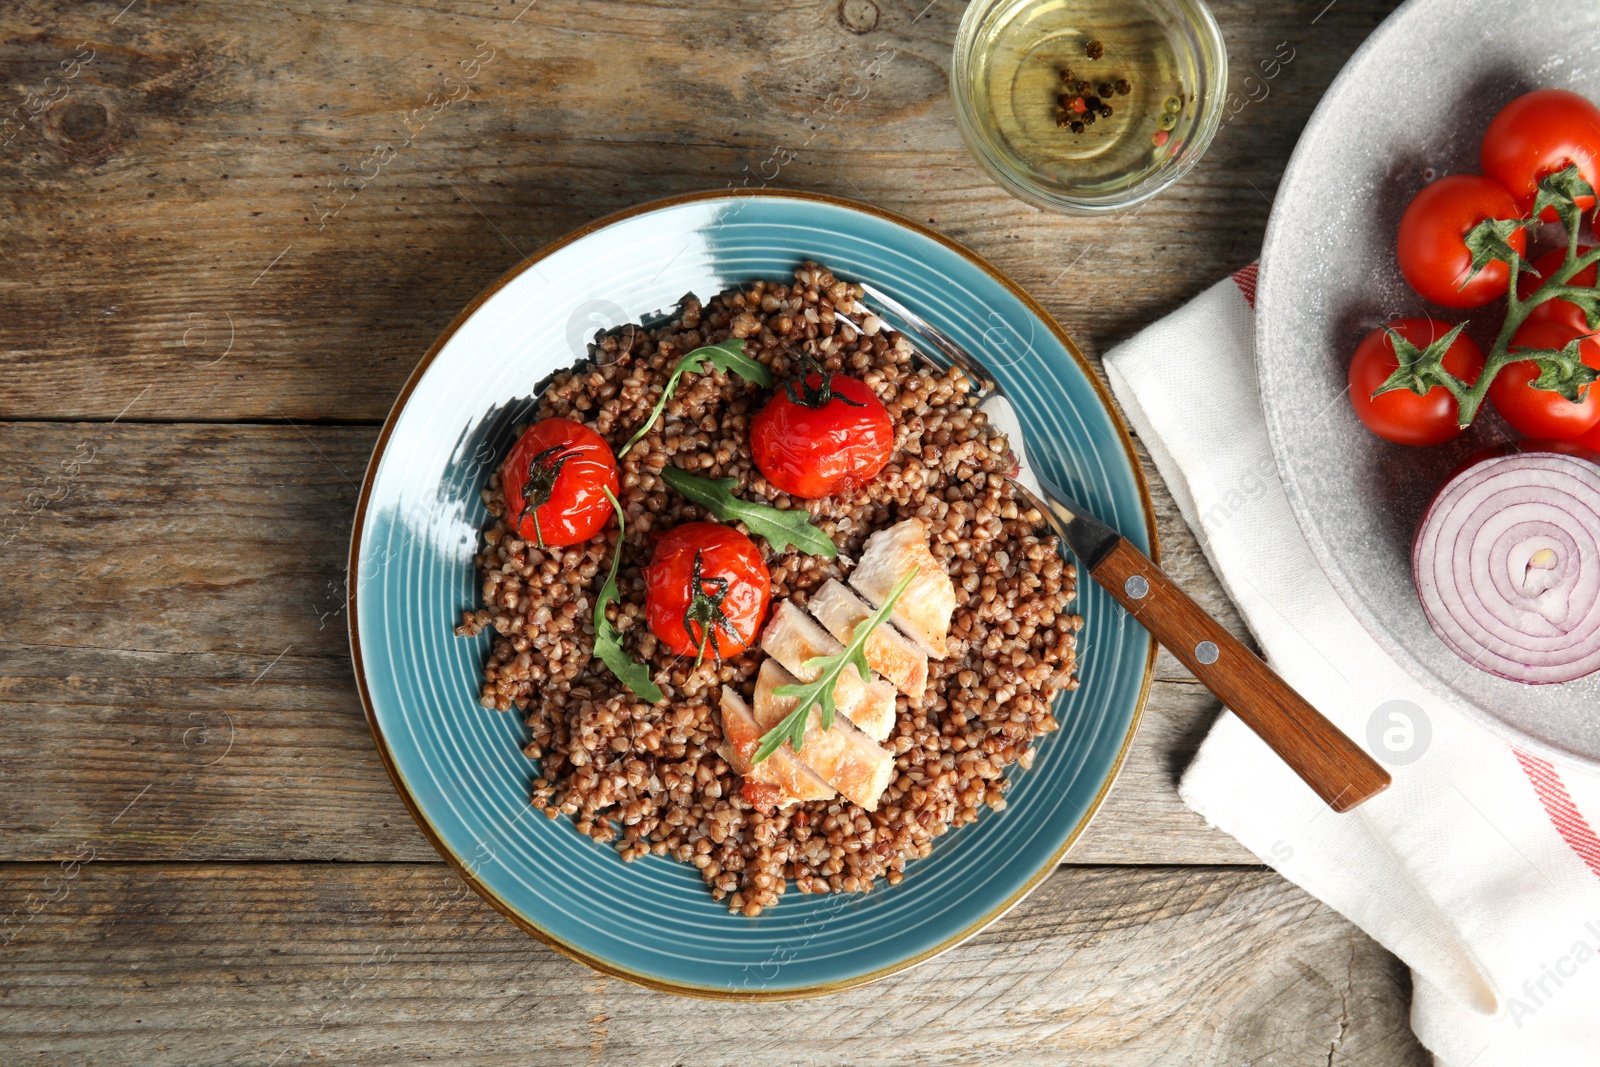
(1029, 60)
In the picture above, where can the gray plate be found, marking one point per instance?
(1416, 97)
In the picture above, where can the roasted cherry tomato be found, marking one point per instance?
(1544, 412)
(1433, 255)
(554, 482)
(1558, 310)
(822, 434)
(705, 581)
(1540, 133)
(1401, 415)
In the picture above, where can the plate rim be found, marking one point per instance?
(1276, 432)
(353, 571)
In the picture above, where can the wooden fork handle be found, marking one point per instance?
(1334, 766)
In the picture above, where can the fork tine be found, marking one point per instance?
(985, 385)
(982, 380)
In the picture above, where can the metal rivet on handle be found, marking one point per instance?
(1137, 587)
(1206, 652)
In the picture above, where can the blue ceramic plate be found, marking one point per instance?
(460, 768)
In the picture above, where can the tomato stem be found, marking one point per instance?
(543, 470)
(706, 610)
(1470, 399)
(820, 396)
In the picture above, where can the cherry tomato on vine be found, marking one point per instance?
(706, 590)
(1400, 415)
(1544, 412)
(1540, 133)
(822, 434)
(1591, 440)
(1433, 255)
(1557, 310)
(554, 482)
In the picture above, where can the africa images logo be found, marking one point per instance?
(1399, 732)
(1538, 991)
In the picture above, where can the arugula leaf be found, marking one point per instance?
(781, 528)
(820, 692)
(1561, 191)
(607, 642)
(1420, 369)
(1561, 371)
(1489, 242)
(727, 357)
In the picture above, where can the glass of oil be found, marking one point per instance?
(1088, 106)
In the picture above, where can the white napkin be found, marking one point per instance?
(1478, 867)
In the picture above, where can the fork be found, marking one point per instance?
(1334, 766)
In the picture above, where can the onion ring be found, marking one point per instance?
(1507, 563)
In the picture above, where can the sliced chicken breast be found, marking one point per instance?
(924, 609)
(742, 736)
(794, 639)
(841, 755)
(840, 611)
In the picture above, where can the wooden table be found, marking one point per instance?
(204, 326)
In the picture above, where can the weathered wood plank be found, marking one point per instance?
(174, 636)
(375, 964)
(169, 232)
(174, 680)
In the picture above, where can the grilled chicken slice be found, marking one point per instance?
(742, 736)
(840, 611)
(841, 755)
(924, 609)
(793, 639)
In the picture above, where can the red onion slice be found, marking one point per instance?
(1507, 564)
